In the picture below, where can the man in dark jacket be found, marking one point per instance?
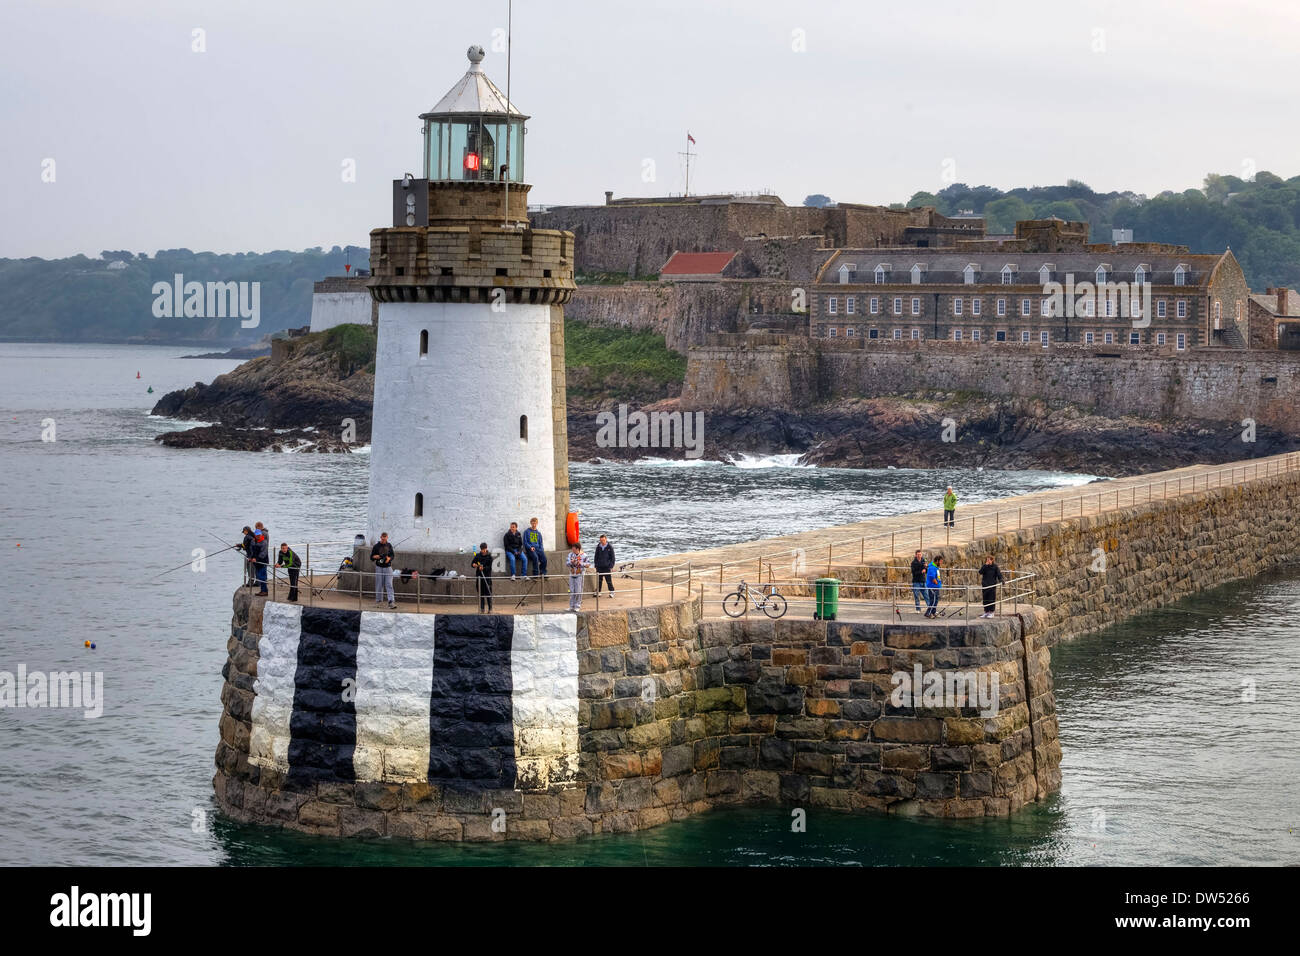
(918, 580)
(514, 545)
(288, 559)
(604, 564)
(990, 578)
(381, 555)
(482, 565)
(261, 554)
(245, 547)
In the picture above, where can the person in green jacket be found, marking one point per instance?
(949, 508)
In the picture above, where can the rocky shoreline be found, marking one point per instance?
(319, 399)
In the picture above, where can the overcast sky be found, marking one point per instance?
(242, 147)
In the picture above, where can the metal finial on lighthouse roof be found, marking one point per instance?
(474, 93)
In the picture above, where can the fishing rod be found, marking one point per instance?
(191, 562)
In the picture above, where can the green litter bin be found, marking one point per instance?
(828, 599)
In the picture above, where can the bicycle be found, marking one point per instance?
(764, 598)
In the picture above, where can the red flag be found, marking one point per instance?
(690, 138)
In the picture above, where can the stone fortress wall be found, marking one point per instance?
(1222, 386)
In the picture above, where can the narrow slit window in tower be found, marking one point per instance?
(419, 505)
(523, 429)
(424, 343)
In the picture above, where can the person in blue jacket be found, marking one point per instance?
(933, 582)
(534, 549)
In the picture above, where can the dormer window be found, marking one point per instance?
(1008, 274)
(968, 274)
(1180, 274)
(846, 272)
(1103, 272)
(1140, 275)
(1045, 273)
(918, 274)
(882, 271)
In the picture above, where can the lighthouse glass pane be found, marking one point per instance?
(517, 151)
(457, 147)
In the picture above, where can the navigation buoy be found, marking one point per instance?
(150, 390)
(571, 528)
(87, 643)
(137, 374)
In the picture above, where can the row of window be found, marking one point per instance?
(1044, 337)
(1009, 274)
(1000, 306)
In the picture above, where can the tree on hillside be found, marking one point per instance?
(817, 200)
(1001, 215)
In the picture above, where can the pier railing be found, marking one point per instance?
(854, 550)
(795, 568)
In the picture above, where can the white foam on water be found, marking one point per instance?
(770, 461)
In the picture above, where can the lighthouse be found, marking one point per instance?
(469, 430)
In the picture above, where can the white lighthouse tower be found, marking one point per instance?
(469, 428)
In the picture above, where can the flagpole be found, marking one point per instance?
(509, 105)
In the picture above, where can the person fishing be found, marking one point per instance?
(288, 559)
(245, 547)
(482, 565)
(262, 554)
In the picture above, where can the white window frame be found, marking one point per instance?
(874, 304)
(1160, 338)
(956, 335)
(1002, 307)
(851, 332)
(1006, 275)
(1109, 338)
(898, 335)
(974, 335)
(832, 332)
(1135, 338)
(917, 272)
(898, 305)
(1182, 308)
(957, 306)
(832, 305)
(916, 335)
(968, 275)
(1025, 308)
(1180, 341)
(880, 275)
(1088, 338)
(916, 305)
(976, 306)
(1024, 337)
(850, 305)
(1162, 308)
(1044, 338)
(1180, 274)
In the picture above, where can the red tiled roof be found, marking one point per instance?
(696, 263)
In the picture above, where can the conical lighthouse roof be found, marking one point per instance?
(474, 93)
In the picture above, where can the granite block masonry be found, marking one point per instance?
(548, 727)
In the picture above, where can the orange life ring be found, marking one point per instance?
(571, 528)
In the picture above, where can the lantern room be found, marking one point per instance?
(474, 133)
